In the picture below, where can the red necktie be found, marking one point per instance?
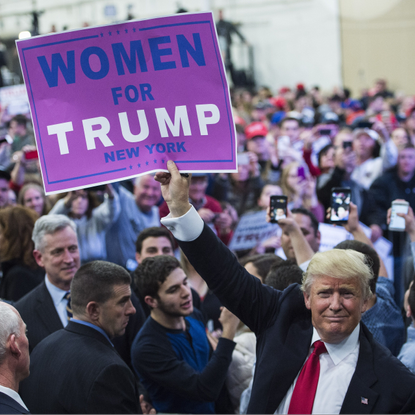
(302, 399)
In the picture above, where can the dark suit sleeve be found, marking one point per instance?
(163, 367)
(236, 289)
(114, 392)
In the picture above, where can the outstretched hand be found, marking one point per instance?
(175, 189)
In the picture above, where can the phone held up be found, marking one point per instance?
(340, 204)
(278, 208)
(397, 223)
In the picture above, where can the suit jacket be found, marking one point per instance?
(40, 315)
(9, 406)
(76, 370)
(283, 328)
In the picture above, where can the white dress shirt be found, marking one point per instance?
(13, 394)
(59, 302)
(336, 370)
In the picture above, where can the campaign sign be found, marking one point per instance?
(117, 101)
(13, 99)
(252, 229)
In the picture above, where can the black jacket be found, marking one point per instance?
(283, 328)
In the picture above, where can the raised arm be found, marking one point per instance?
(237, 290)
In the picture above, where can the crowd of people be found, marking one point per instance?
(131, 302)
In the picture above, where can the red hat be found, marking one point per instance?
(278, 102)
(255, 129)
(239, 120)
(284, 89)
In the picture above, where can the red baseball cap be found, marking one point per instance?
(256, 129)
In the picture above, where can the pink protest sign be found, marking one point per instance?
(118, 101)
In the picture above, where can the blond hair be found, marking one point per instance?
(341, 264)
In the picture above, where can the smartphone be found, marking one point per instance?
(340, 204)
(278, 208)
(325, 131)
(347, 144)
(30, 155)
(364, 124)
(243, 158)
(397, 223)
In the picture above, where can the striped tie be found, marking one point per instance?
(68, 306)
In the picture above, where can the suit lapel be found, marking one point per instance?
(292, 358)
(360, 398)
(47, 312)
(7, 400)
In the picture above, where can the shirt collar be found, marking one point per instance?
(93, 326)
(13, 394)
(56, 293)
(339, 351)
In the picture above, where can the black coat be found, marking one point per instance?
(18, 279)
(39, 313)
(284, 330)
(76, 370)
(10, 406)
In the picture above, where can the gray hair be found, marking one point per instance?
(342, 264)
(48, 225)
(9, 324)
(139, 178)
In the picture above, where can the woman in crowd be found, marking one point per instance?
(92, 220)
(33, 197)
(300, 188)
(369, 166)
(20, 272)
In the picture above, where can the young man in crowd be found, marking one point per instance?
(77, 370)
(154, 241)
(171, 353)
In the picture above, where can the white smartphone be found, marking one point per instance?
(397, 223)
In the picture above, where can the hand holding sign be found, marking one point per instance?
(118, 101)
(175, 189)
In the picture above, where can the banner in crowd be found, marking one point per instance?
(251, 230)
(13, 100)
(118, 101)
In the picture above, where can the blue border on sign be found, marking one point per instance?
(230, 122)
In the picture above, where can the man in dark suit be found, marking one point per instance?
(357, 374)
(14, 360)
(44, 309)
(77, 370)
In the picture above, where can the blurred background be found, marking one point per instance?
(330, 43)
